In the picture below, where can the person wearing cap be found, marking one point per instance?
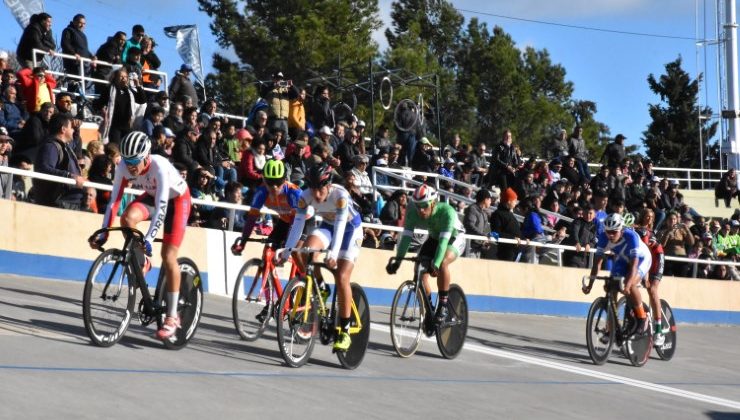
(137, 34)
(360, 128)
(3, 60)
(423, 160)
(675, 238)
(554, 170)
(182, 86)
(278, 100)
(477, 222)
(614, 152)
(38, 87)
(296, 155)
(505, 225)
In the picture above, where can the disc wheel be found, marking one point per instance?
(407, 319)
(108, 299)
(599, 332)
(406, 115)
(298, 323)
(635, 348)
(352, 358)
(668, 348)
(451, 333)
(252, 301)
(189, 303)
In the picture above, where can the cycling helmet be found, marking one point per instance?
(614, 222)
(319, 175)
(424, 194)
(135, 147)
(274, 169)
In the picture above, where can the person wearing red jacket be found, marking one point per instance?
(643, 227)
(38, 87)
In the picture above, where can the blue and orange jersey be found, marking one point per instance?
(285, 202)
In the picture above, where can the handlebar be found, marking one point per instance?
(587, 282)
(128, 233)
(304, 250)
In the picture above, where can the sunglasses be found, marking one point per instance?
(132, 161)
(424, 205)
(611, 232)
(274, 182)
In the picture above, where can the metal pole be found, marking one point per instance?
(372, 104)
(731, 67)
(439, 111)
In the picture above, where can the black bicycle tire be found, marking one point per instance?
(414, 111)
(599, 303)
(236, 302)
(352, 358)
(416, 341)
(380, 93)
(451, 339)
(106, 340)
(352, 103)
(282, 319)
(668, 349)
(191, 299)
(346, 108)
(637, 349)
(420, 107)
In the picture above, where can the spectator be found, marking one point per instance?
(423, 160)
(570, 171)
(163, 142)
(600, 182)
(203, 187)
(174, 120)
(297, 112)
(15, 116)
(64, 106)
(184, 150)
(101, 172)
(35, 131)
(3, 60)
(558, 148)
(150, 62)
(348, 150)
(614, 152)
(154, 118)
(554, 170)
(6, 180)
(88, 200)
(277, 97)
(133, 64)
(38, 87)
(382, 139)
(110, 52)
(321, 113)
(323, 138)
(532, 228)
(505, 163)
(74, 42)
(505, 225)
(582, 235)
(480, 163)
(137, 34)
(37, 35)
(577, 149)
(527, 188)
(119, 104)
(675, 239)
(21, 184)
(207, 113)
(55, 157)
(220, 216)
(181, 85)
(720, 272)
(295, 161)
(209, 156)
(726, 188)
(253, 160)
(477, 222)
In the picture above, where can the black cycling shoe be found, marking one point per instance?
(262, 315)
(639, 328)
(441, 315)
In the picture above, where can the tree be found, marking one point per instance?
(672, 138)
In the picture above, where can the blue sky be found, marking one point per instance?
(608, 68)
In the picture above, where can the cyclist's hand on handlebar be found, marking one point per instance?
(98, 241)
(331, 263)
(238, 246)
(147, 248)
(392, 266)
(433, 271)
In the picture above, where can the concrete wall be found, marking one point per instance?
(52, 243)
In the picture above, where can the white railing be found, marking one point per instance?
(706, 177)
(84, 78)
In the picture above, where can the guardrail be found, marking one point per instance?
(559, 249)
(692, 176)
(84, 78)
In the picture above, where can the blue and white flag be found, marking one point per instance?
(188, 46)
(22, 10)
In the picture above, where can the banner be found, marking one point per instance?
(22, 10)
(188, 46)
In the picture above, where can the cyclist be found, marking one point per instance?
(632, 260)
(644, 228)
(340, 231)
(444, 244)
(166, 202)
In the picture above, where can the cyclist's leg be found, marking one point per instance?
(348, 252)
(175, 221)
(454, 250)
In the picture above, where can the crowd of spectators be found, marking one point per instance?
(501, 194)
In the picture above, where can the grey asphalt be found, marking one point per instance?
(513, 366)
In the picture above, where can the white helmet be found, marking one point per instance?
(424, 193)
(135, 146)
(614, 222)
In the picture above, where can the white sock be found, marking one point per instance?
(172, 298)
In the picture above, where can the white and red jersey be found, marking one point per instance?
(160, 180)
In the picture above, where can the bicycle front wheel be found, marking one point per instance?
(252, 301)
(189, 304)
(407, 319)
(297, 324)
(359, 330)
(451, 333)
(600, 333)
(668, 348)
(108, 299)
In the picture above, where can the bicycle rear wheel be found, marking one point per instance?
(451, 333)
(600, 334)
(108, 299)
(297, 324)
(189, 304)
(668, 348)
(252, 301)
(406, 115)
(636, 347)
(407, 319)
(352, 358)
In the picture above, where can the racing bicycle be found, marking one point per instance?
(109, 298)
(412, 313)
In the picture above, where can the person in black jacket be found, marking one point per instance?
(476, 222)
(582, 235)
(184, 150)
(36, 35)
(505, 225)
(614, 152)
(505, 163)
(321, 113)
(423, 160)
(35, 131)
(119, 104)
(110, 52)
(74, 42)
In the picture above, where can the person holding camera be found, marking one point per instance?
(277, 96)
(120, 104)
(675, 238)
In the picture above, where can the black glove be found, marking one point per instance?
(392, 266)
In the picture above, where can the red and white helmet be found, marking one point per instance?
(424, 194)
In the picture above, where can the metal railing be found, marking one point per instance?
(692, 176)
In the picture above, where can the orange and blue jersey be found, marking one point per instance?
(284, 203)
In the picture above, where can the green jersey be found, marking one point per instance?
(442, 225)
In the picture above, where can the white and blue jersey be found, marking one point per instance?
(625, 250)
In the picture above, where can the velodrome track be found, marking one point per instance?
(513, 366)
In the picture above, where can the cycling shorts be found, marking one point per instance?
(176, 219)
(429, 247)
(643, 268)
(281, 229)
(351, 241)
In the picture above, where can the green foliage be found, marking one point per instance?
(672, 138)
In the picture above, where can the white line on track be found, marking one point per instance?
(588, 372)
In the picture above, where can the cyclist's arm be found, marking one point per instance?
(408, 231)
(160, 203)
(340, 224)
(445, 234)
(119, 184)
(254, 212)
(601, 243)
(633, 242)
(298, 223)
